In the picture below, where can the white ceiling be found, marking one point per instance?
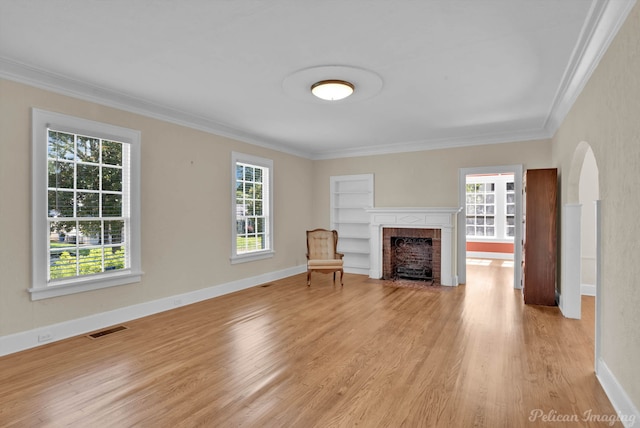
(428, 74)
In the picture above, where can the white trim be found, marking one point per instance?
(249, 257)
(624, 407)
(601, 26)
(604, 20)
(597, 348)
(39, 78)
(28, 75)
(357, 270)
(570, 302)
(88, 283)
(436, 144)
(443, 219)
(54, 332)
(587, 289)
(488, 255)
(41, 288)
(480, 239)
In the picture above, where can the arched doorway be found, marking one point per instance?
(588, 194)
(581, 217)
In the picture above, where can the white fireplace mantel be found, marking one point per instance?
(444, 219)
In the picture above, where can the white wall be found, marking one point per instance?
(588, 194)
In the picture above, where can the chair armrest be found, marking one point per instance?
(339, 255)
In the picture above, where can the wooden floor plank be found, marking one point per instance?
(287, 355)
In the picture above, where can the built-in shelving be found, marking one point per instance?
(350, 196)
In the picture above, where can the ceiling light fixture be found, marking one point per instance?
(332, 90)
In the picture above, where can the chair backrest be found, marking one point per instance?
(322, 244)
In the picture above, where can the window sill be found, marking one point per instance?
(64, 288)
(249, 257)
(496, 240)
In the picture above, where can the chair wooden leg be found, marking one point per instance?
(334, 277)
(341, 273)
(308, 278)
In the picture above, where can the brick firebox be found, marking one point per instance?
(388, 259)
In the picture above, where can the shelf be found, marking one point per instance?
(345, 252)
(362, 238)
(351, 196)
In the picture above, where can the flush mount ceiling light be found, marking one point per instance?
(361, 84)
(332, 90)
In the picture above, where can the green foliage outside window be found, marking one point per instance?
(85, 198)
(90, 262)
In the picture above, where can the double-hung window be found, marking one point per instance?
(251, 195)
(86, 226)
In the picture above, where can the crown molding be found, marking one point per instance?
(603, 21)
(436, 144)
(22, 73)
(32, 76)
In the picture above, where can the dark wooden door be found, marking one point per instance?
(540, 245)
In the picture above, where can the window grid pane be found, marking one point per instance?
(86, 193)
(510, 205)
(251, 209)
(480, 209)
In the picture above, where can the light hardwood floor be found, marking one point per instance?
(288, 355)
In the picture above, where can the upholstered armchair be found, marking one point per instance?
(322, 254)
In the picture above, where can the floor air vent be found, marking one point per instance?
(102, 333)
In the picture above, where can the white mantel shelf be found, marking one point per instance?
(441, 218)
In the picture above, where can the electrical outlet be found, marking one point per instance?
(45, 337)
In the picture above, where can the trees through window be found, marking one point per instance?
(87, 205)
(86, 212)
(252, 237)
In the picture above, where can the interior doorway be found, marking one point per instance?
(516, 227)
(584, 190)
(588, 194)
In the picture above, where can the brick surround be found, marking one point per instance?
(388, 261)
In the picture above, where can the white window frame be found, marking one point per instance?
(500, 203)
(41, 288)
(269, 251)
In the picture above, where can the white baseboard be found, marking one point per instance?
(52, 333)
(624, 407)
(356, 270)
(588, 289)
(487, 255)
(570, 308)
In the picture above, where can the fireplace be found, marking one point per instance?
(411, 253)
(420, 225)
(412, 258)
